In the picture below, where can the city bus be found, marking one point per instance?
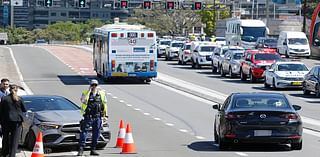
(243, 32)
(314, 34)
(123, 50)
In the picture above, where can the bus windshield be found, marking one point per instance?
(251, 34)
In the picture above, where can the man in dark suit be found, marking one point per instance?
(11, 114)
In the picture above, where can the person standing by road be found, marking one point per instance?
(4, 87)
(11, 116)
(93, 109)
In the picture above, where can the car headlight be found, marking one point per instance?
(46, 126)
(280, 78)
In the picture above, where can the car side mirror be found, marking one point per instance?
(284, 43)
(195, 51)
(216, 107)
(216, 53)
(296, 107)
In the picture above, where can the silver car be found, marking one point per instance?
(231, 63)
(58, 119)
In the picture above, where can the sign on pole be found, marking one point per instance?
(17, 3)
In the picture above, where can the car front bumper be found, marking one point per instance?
(288, 84)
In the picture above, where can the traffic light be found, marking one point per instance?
(197, 6)
(48, 3)
(124, 4)
(82, 3)
(147, 5)
(170, 5)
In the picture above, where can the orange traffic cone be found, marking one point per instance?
(128, 146)
(38, 147)
(121, 135)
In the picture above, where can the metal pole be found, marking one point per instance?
(252, 9)
(274, 10)
(257, 14)
(304, 16)
(11, 14)
(267, 12)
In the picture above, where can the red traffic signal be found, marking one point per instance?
(170, 5)
(197, 6)
(124, 4)
(147, 5)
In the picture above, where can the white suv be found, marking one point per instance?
(202, 54)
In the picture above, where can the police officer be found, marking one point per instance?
(93, 109)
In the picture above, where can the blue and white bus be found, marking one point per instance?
(122, 50)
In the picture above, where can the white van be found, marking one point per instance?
(293, 44)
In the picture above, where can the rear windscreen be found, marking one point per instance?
(260, 102)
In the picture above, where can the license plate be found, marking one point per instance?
(297, 83)
(262, 132)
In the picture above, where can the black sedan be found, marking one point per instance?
(257, 118)
(311, 82)
(58, 119)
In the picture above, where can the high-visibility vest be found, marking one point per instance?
(86, 99)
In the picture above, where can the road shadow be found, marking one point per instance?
(238, 81)
(277, 89)
(203, 146)
(85, 80)
(210, 146)
(307, 98)
(205, 72)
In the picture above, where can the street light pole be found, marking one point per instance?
(11, 14)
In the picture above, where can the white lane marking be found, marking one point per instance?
(115, 97)
(122, 101)
(157, 118)
(129, 105)
(310, 132)
(241, 154)
(310, 121)
(137, 109)
(147, 114)
(169, 124)
(183, 130)
(27, 89)
(200, 137)
(184, 93)
(310, 100)
(109, 93)
(191, 86)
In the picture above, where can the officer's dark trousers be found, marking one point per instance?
(96, 126)
(11, 135)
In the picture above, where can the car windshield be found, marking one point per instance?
(207, 48)
(270, 41)
(188, 47)
(297, 41)
(292, 67)
(177, 44)
(165, 43)
(266, 56)
(47, 103)
(220, 39)
(251, 34)
(257, 102)
(237, 56)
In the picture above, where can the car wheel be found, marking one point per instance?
(223, 145)
(317, 91)
(252, 78)
(197, 65)
(274, 86)
(222, 74)
(266, 85)
(231, 75)
(179, 61)
(183, 62)
(305, 91)
(218, 68)
(193, 65)
(101, 145)
(243, 76)
(296, 146)
(30, 140)
(214, 69)
(287, 55)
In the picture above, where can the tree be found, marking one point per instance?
(209, 16)
(173, 22)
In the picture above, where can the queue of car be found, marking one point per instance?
(257, 117)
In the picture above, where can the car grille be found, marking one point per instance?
(70, 139)
(293, 79)
(299, 50)
(50, 138)
(71, 128)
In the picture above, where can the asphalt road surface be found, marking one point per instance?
(165, 121)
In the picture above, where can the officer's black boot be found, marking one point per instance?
(80, 152)
(94, 152)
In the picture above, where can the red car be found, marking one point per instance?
(255, 62)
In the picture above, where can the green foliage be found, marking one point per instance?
(209, 17)
(61, 31)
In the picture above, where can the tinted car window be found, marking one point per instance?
(298, 41)
(45, 104)
(266, 57)
(207, 48)
(292, 67)
(188, 47)
(252, 102)
(237, 56)
(165, 43)
(270, 41)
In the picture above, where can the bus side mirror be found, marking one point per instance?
(267, 31)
